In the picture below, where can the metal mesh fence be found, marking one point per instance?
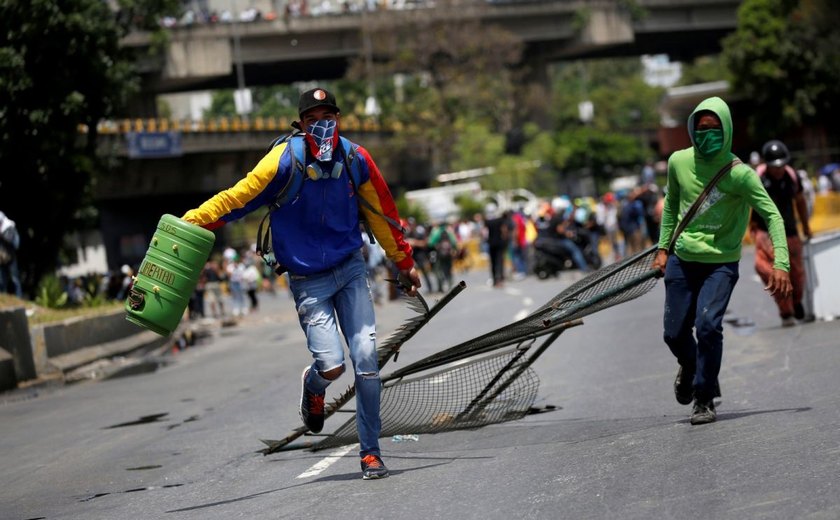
(445, 400)
(613, 284)
(487, 379)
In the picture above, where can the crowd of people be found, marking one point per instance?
(236, 279)
(199, 13)
(561, 233)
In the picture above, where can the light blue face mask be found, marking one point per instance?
(322, 135)
(708, 142)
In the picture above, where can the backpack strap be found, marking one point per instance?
(692, 211)
(352, 166)
(295, 147)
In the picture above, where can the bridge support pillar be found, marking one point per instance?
(607, 26)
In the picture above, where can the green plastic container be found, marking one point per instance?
(168, 275)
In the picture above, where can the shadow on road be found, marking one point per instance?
(726, 416)
(332, 478)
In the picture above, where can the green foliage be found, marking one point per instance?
(784, 57)
(598, 150)
(93, 297)
(637, 12)
(453, 70)
(408, 209)
(61, 66)
(281, 100)
(164, 110)
(477, 146)
(623, 101)
(50, 294)
(221, 104)
(581, 18)
(703, 70)
(513, 172)
(276, 101)
(469, 206)
(624, 108)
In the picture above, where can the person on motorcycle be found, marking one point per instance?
(557, 238)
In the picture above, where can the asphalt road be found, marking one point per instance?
(181, 443)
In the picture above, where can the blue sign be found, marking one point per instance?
(143, 145)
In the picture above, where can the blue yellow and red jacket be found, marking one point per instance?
(319, 228)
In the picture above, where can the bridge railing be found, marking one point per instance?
(349, 123)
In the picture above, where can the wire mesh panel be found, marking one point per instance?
(612, 284)
(487, 379)
(446, 399)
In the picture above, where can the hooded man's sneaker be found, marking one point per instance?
(703, 413)
(373, 468)
(311, 406)
(683, 387)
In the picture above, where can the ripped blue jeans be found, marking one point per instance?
(334, 301)
(696, 297)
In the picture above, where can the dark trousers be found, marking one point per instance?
(696, 297)
(497, 263)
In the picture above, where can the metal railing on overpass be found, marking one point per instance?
(349, 123)
(216, 135)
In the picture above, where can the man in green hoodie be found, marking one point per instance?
(703, 269)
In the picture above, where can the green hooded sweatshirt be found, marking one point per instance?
(717, 230)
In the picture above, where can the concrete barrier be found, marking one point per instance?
(74, 333)
(69, 344)
(8, 379)
(46, 351)
(15, 339)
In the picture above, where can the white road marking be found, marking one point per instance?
(527, 302)
(327, 461)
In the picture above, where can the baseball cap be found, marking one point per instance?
(317, 97)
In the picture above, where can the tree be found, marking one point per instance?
(783, 56)
(454, 68)
(624, 108)
(274, 101)
(61, 70)
(704, 69)
(623, 101)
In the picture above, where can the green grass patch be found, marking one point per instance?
(39, 315)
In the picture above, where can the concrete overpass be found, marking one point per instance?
(283, 51)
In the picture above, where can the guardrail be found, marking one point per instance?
(349, 123)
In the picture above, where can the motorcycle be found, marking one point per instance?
(551, 257)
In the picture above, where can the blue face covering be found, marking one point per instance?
(322, 134)
(708, 142)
